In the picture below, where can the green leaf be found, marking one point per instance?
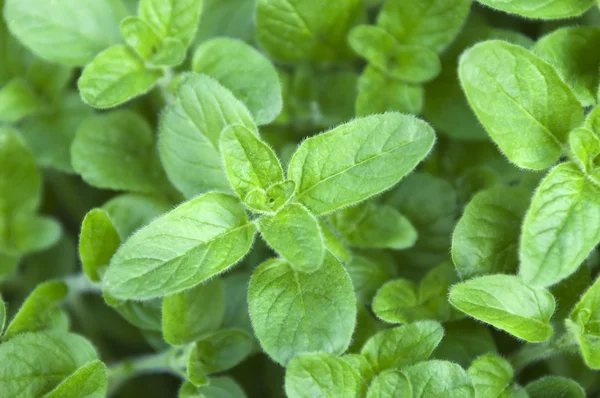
(369, 225)
(115, 76)
(295, 234)
(361, 365)
(32, 364)
(227, 18)
(439, 379)
(36, 313)
(192, 243)
(171, 52)
(508, 303)
(236, 302)
(328, 179)
(98, 241)
(585, 145)
(584, 324)
(138, 34)
(272, 199)
(250, 76)
(17, 101)
(403, 345)
(172, 18)
(492, 376)
(554, 242)
(368, 271)
(190, 130)
(486, 238)
(492, 75)
(432, 24)
(89, 381)
(463, 341)
(322, 375)
(2, 316)
(145, 315)
(32, 233)
(555, 387)
(379, 93)
(220, 387)
(333, 242)
(390, 384)
(130, 212)
(69, 32)
(294, 312)
(249, 162)
(20, 182)
(296, 31)
(116, 151)
(188, 315)
(571, 51)
(411, 64)
(541, 9)
(222, 350)
(568, 291)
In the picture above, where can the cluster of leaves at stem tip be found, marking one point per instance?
(299, 198)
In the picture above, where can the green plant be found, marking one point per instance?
(299, 198)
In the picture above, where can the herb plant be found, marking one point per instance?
(299, 198)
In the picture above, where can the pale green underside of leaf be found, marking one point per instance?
(181, 249)
(294, 312)
(351, 162)
(508, 303)
(115, 76)
(561, 227)
(541, 9)
(189, 134)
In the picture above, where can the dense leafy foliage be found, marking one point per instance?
(299, 198)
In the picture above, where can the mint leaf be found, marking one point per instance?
(464, 340)
(163, 258)
(295, 234)
(171, 52)
(17, 101)
(33, 233)
(176, 19)
(541, 9)
(327, 179)
(131, 211)
(368, 271)
(553, 244)
(227, 18)
(322, 375)
(374, 226)
(188, 315)
(403, 345)
(145, 315)
(439, 379)
(296, 31)
(89, 381)
(555, 387)
(190, 130)
(219, 387)
(98, 241)
(116, 151)
(221, 350)
(389, 384)
(294, 312)
(69, 32)
(492, 376)
(140, 36)
(508, 303)
(585, 145)
(271, 199)
(247, 73)
(115, 76)
(490, 73)
(486, 238)
(584, 324)
(333, 242)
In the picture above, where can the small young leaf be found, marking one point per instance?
(486, 238)
(541, 9)
(190, 130)
(379, 93)
(69, 32)
(463, 341)
(294, 312)
(32, 364)
(172, 18)
(492, 376)
(492, 75)
(585, 145)
(390, 384)
(117, 151)
(371, 226)
(192, 243)
(170, 52)
(403, 345)
(36, 313)
(17, 101)
(115, 76)
(138, 34)
(296, 31)
(191, 314)
(247, 73)
(98, 241)
(584, 323)
(219, 387)
(508, 303)
(322, 375)
(328, 179)
(439, 379)
(554, 241)
(130, 212)
(249, 162)
(361, 365)
(432, 24)
(295, 234)
(411, 64)
(555, 387)
(271, 200)
(221, 350)
(89, 381)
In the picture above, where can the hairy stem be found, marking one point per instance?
(531, 353)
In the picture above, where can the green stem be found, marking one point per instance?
(79, 283)
(531, 353)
